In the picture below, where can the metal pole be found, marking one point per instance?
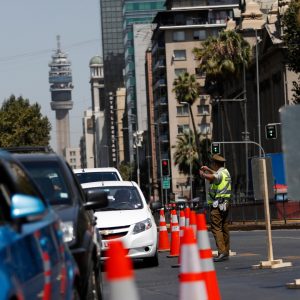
(191, 166)
(246, 131)
(138, 165)
(257, 93)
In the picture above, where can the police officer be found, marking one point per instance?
(218, 200)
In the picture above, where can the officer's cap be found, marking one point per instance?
(219, 158)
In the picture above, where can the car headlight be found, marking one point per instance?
(142, 226)
(68, 231)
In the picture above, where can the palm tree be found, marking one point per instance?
(223, 57)
(186, 90)
(186, 152)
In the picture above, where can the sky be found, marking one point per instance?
(28, 39)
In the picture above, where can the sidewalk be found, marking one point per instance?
(252, 225)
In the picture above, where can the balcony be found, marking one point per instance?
(161, 63)
(160, 83)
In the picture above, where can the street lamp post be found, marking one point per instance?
(138, 138)
(190, 151)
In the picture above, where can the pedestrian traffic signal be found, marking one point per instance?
(215, 148)
(271, 132)
(165, 167)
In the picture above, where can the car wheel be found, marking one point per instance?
(94, 291)
(152, 261)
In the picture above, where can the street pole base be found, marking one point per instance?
(294, 285)
(272, 264)
(215, 253)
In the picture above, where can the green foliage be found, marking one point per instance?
(221, 56)
(22, 124)
(291, 37)
(126, 170)
(186, 152)
(186, 88)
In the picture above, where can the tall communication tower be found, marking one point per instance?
(60, 79)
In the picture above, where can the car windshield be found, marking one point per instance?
(120, 197)
(86, 177)
(50, 181)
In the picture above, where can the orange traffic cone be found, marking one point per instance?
(193, 222)
(181, 231)
(206, 259)
(192, 285)
(175, 243)
(119, 273)
(163, 241)
(187, 216)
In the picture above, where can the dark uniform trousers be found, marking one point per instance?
(219, 228)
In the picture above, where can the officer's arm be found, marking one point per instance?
(209, 177)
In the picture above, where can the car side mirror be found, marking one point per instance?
(96, 200)
(23, 206)
(155, 205)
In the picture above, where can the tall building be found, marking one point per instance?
(138, 16)
(101, 151)
(180, 29)
(60, 79)
(113, 57)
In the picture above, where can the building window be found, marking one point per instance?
(179, 55)
(182, 128)
(180, 71)
(178, 36)
(203, 109)
(199, 35)
(182, 110)
(199, 73)
(204, 128)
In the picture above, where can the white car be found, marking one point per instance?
(127, 218)
(97, 174)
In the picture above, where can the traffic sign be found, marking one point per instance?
(166, 183)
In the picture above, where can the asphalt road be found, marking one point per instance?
(236, 277)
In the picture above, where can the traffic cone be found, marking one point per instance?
(193, 223)
(192, 285)
(181, 220)
(187, 216)
(163, 241)
(181, 230)
(206, 259)
(175, 243)
(119, 273)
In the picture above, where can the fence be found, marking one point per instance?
(253, 212)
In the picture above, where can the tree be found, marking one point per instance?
(126, 170)
(186, 89)
(22, 124)
(186, 155)
(291, 37)
(221, 57)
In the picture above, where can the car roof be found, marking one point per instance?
(37, 156)
(87, 170)
(108, 183)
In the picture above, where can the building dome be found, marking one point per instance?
(96, 60)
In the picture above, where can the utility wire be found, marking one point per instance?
(11, 58)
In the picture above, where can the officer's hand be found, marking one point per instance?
(204, 168)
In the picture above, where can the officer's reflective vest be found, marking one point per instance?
(221, 190)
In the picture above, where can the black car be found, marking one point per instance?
(60, 187)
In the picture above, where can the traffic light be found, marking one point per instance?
(215, 148)
(271, 132)
(165, 167)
